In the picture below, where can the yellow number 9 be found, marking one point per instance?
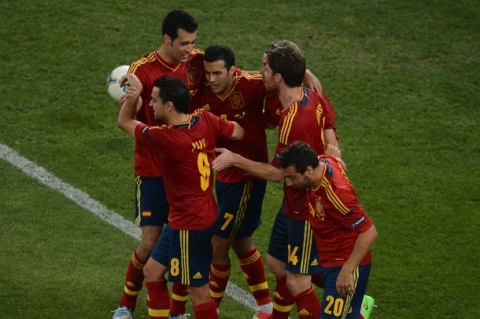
(204, 170)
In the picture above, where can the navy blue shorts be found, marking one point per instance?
(186, 253)
(292, 242)
(151, 207)
(334, 306)
(239, 208)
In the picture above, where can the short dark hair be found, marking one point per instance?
(174, 90)
(178, 19)
(299, 155)
(220, 52)
(286, 58)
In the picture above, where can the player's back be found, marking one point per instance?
(186, 151)
(304, 120)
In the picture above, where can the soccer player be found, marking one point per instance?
(238, 97)
(185, 146)
(175, 57)
(292, 255)
(342, 228)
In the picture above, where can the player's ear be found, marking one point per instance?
(167, 39)
(309, 170)
(278, 77)
(169, 106)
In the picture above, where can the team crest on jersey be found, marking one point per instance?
(192, 76)
(237, 100)
(319, 212)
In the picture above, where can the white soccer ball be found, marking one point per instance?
(113, 82)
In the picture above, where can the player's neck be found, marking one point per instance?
(289, 95)
(318, 174)
(163, 53)
(177, 118)
(229, 88)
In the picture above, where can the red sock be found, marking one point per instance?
(205, 310)
(179, 299)
(254, 271)
(308, 306)
(219, 275)
(317, 280)
(282, 299)
(158, 299)
(133, 282)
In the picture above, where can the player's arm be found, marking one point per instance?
(312, 82)
(123, 99)
(362, 246)
(261, 170)
(238, 132)
(309, 80)
(126, 117)
(331, 144)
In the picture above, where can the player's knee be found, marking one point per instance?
(243, 245)
(153, 271)
(145, 249)
(220, 246)
(298, 283)
(148, 272)
(199, 295)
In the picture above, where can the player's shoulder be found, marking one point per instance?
(197, 54)
(142, 62)
(250, 75)
(202, 113)
(250, 80)
(198, 51)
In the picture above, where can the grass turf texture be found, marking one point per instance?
(403, 77)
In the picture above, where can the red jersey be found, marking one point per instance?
(273, 111)
(336, 216)
(186, 151)
(244, 105)
(304, 120)
(149, 68)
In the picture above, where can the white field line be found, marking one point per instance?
(85, 201)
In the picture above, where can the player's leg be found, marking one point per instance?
(251, 262)
(221, 240)
(190, 259)
(302, 262)
(240, 207)
(158, 298)
(254, 271)
(151, 211)
(276, 259)
(333, 305)
(179, 299)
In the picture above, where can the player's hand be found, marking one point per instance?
(135, 87)
(223, 160)
(344, 284)
(312, 82)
